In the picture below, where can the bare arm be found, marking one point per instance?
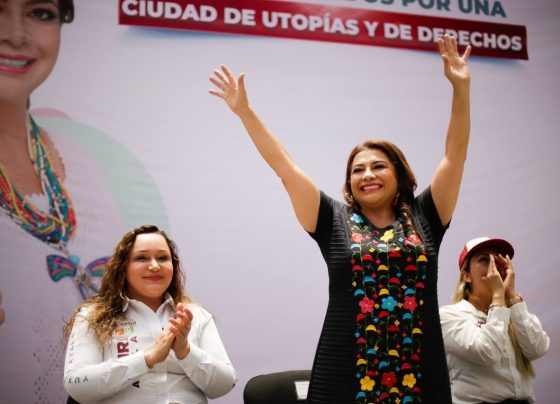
(447, 179)
(303, 193)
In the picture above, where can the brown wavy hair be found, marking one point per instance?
(106, 308)
(405, 179)
(462, 291)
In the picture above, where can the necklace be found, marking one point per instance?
(54, 227)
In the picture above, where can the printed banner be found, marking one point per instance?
(326, 23)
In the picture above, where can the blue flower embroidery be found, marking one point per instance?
(389, 303)
(356, 218)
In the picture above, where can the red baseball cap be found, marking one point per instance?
(472, 246)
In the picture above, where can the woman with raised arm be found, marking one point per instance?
(381, 339)
(490, 336)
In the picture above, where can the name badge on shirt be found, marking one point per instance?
(123, 338)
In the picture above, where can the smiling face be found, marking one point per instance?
(149, 270)
(373, 180)
(29, 45)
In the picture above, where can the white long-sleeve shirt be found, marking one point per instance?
(119, 374)
(480, 355)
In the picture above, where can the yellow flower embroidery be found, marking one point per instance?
(367, 383)
(387, 236)
(409, 380)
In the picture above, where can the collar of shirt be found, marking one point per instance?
(467, 307)
(168, 300)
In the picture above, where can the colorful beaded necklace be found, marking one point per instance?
(54, 227)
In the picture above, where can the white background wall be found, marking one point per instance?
(245, 257)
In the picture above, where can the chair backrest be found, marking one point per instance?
(276, 388)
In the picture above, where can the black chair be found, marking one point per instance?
(275, 388)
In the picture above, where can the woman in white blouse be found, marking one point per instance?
(141, 339)
(490, 337)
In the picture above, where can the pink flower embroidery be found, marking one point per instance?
(367, 305)
(357, 238)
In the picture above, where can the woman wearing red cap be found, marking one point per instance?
(490, 337)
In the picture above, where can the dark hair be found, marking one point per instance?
(109, 302)
(405, 177)
(406, 182)
(66, 10)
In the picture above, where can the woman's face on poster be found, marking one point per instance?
(29, 45)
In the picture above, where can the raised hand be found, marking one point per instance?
(495, 282)
(509, 278)
(230, 89)
(455, 66)
(180, 326)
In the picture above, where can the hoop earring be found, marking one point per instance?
(396, 200)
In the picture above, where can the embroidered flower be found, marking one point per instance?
(367, 257)
(356, 218)
(389, 379)
(367, 383)
(388, 303)
(409, 380)
(357, 238)
(367, 305)
(410, 303)
(387, 281)
(414, 239)
(387, 236)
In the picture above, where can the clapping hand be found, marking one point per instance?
(173, 337)
(159, 350)
(494, 280)
(180, 326)
(508, 275)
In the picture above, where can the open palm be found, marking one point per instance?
(230, 89)
(456, 67)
